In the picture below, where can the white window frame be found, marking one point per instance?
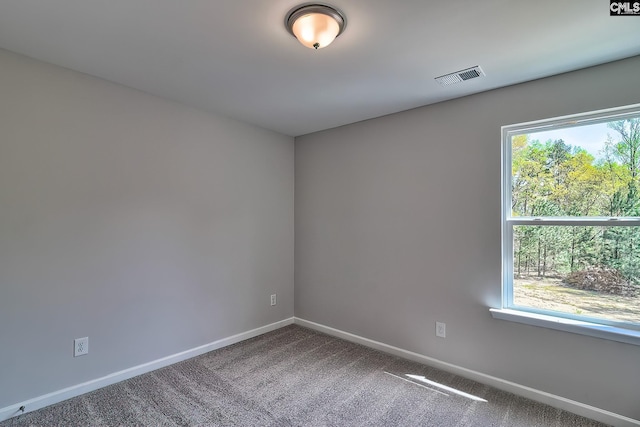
(600, 328)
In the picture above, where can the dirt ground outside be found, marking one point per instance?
(551, 294)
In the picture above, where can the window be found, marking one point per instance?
(571, 223)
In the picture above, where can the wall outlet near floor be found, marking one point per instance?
(441, 329)
(80, 346)
(273, 299)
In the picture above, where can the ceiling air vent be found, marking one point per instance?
(460, 76)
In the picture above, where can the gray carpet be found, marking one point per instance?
(298, 377)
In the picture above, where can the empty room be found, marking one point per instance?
(355, 213)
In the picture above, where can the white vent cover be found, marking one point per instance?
(460, 76)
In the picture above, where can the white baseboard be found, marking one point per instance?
(76, 390)
(539, 396)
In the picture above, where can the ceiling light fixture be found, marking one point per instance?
(315, 25)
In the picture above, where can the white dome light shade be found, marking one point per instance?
(315, 25)
(316, 28)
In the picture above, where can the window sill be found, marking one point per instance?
(612, 333)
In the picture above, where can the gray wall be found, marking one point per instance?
(398, 225)
(147, 226)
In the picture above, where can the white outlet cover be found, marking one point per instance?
(273, 299)
(80, 346)
(441, 329)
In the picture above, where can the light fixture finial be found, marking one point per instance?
(315, 25)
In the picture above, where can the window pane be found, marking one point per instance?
(588, 170)
(582, 271)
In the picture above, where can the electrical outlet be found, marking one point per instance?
(80, 346)
(441, 329)
(273, 299)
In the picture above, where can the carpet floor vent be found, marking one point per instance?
(460, 76)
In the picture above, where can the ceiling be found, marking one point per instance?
(235, 58)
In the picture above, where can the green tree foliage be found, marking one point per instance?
(552, 178)
(627, 149)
